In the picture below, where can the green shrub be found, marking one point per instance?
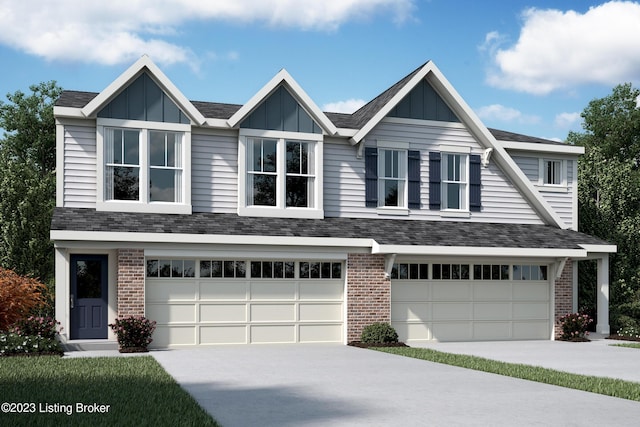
(12, 344)
(45, 327)
(133, 332)
(575, 326)
(378, 333)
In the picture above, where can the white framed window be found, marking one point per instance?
(280, 174)
(142, 169)
(552, 174)
(392, 178)
(455, 182)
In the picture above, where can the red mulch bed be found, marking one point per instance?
(385, 344)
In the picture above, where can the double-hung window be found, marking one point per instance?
(122, 164)
(454, 181)
(280, 174)
(142, 170)
(392, 178)
(552, 172)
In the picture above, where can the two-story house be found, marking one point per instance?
(276, 222)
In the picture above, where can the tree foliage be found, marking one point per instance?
(609, 193)
(27, 180)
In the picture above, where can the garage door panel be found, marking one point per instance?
(451, 291)
(223, 334)
(273, 290)
(531, 330)
(272, 333)
(454, 331)
(409, 291)
(530, 310)
(410, 311)
(272, 312)
(164, 336)
(168, 290)
(452, 311)
(487, 331)
(492, 291)
(321, 290)
(236, 290)
(530, 291)
(320, 333)
(172, 313)
(326, 312)
(412, 331)
(492, 311)
(223, 312)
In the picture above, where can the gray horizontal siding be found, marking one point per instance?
(79, 166)
(561, 202)
(344, 193)
(214, 172)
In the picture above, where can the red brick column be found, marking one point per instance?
(131, 273)
(563, 295)
(368, 293)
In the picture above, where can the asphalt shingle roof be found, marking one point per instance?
(383, 231)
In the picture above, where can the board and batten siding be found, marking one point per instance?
(214, 175)
(344, 183)
(562, 202)
(79, 166)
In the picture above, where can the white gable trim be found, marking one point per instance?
(92, 108)
(284, 77)
(453, 99)
(542, 148)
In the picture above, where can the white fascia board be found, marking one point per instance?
(177, 238)
(70, 112)
(132, 73)
(542, 148)
(600, 248)
(217, 123)
(346, 132)
(474, 251)
(284, 77)
(384, 111)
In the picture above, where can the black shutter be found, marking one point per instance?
(434, 180)
(413, 169)
(371, 176)
(475, 172)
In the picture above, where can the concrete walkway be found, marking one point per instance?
(320, 385)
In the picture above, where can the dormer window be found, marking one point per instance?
(552, 175)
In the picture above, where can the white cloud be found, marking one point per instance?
(120, 31)
(558, 50)
(348, 106)
(567, 120)
(501, 113)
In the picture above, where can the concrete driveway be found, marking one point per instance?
(335, 385)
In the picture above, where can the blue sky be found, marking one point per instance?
(524, 66)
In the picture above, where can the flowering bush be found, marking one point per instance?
(45, 327)
(133, 332)
(13, 344)
(630, 333)
(575, 326)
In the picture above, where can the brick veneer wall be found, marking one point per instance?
(368, 293)
(563, 295)
(131, 273)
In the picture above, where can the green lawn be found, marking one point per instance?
(628, 345)
(608, 386)
(137, 391)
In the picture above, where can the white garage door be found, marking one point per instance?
(238, 302)
(470, 302)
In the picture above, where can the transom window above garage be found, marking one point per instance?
(491, 271)
(529, 272)
(243, 269)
